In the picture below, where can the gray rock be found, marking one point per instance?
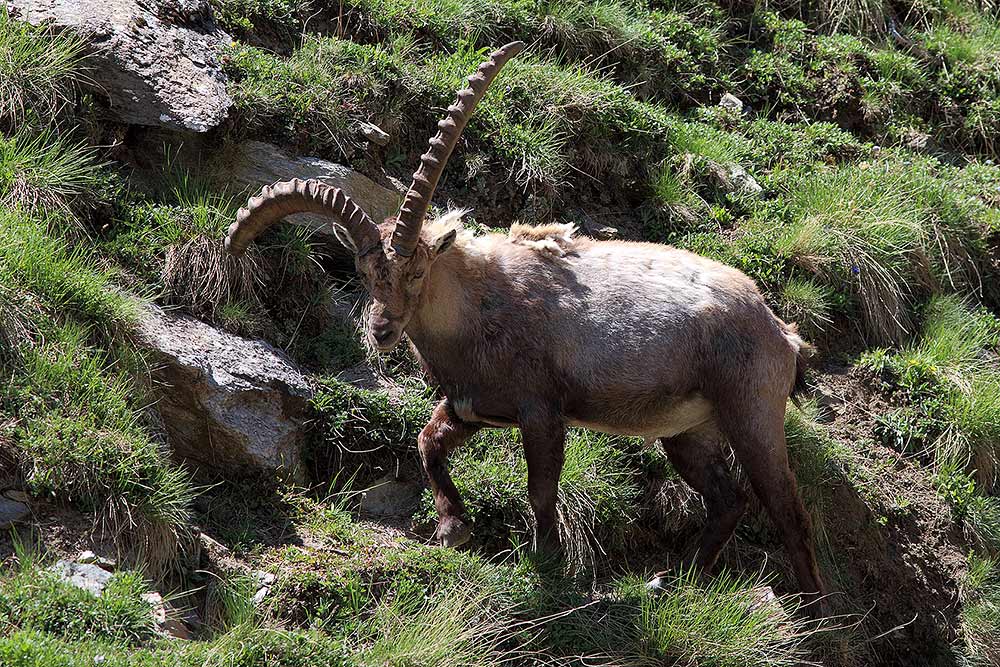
(86, 576)
(733, 178)
(165, 617)
(390, 497)
(254, 164)
(183, 11)
(743, 182)
(730, 101)
(225, 400)
(155, 70)
(265, 581)
(12, 511)
(90, 558)
(375, 134)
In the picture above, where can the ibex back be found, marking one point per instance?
(542, 330)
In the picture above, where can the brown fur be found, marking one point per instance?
(543, 330)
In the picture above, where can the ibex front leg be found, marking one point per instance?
(544, 437)
(444, 433)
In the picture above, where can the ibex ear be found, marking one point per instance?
(443, 242)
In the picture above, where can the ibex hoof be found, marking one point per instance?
(453, 532)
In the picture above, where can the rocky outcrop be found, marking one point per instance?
(254, 164)
(157, 61)
(225, 401)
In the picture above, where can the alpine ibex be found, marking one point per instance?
(543, 330)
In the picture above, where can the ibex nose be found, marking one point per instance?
(381, 328)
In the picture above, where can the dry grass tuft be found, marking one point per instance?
(200, 275)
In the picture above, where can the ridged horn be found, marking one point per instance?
(297, 196)
(425, 179)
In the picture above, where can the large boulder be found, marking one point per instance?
(158, 61)
(253, 164)
(226, 401)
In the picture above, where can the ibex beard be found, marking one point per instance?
(543, 330)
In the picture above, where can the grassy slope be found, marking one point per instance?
(876, 229)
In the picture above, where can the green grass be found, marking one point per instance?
(79, 437)
(948, 381)
(66, 280)
(38, 600)
(808, 304)
(889, 231)
(77, 432)
(539, 123)
(598, 493)
(38, 70)
(725, 621)
(663, 54)
(950, 369)
(981, 610)
(722, 622)
(35, 598)
(46, 173)
(458, 626)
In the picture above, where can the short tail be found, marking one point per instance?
(803, 354)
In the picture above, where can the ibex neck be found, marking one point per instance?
(445, 308)
(448, 312)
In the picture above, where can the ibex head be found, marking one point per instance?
(393, 257)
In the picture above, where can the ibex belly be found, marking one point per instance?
(671, 418)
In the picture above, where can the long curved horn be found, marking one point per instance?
(297, 196)
(418, 198)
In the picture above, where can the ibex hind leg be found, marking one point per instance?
(699, 459)
(756, 430)
(442, 435)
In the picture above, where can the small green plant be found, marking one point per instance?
(249, 17)
(366, 431)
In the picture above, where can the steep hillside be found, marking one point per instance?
(242, 467)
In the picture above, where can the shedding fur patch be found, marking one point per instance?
(447, 222)
(554, 240)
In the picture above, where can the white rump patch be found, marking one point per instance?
(554, 240)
